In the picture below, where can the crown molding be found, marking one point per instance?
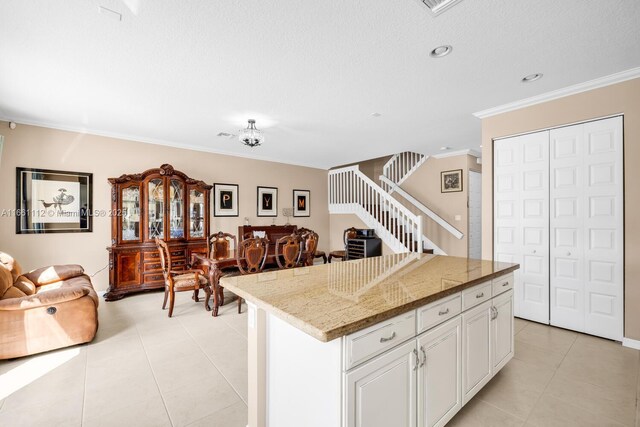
(561, 93)
(467, 152)
(154, 141)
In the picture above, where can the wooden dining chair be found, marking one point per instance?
(349, 233)
(288, 251)
(310, 245)
(179, 281)
(317, 254)
(251, 257)
(219, 246)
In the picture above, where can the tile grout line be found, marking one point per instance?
(84, 390)
(164, 403)
(212, 362)
(555, 372)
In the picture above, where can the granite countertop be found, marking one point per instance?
(332, 300)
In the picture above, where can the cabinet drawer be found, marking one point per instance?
(374, 340)
(476, 295)
(502, 284)
(439, 311)
(151, 256)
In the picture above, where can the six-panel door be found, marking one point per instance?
(521, 219)
(382, 392)
(439, 374)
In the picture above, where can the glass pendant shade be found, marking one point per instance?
(251, 136)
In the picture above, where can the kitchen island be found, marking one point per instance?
(397, 340)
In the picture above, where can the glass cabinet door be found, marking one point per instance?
(130, 213)
(156, 208)
(196, 213)
(176, 209)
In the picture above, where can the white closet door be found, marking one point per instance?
(521, 223)
(587, 229)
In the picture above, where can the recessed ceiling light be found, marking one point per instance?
(376, 114)
(532, 78)
(441, 51)
(444, 148)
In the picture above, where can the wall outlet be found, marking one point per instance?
(458, 217)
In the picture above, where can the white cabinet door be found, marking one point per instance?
(476, 349)
(382, 392)
(502, 332)
(521, 219)
(439, 375)
(587, 229)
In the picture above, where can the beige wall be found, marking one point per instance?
(621, 98)
(37, 147)
(424, 185)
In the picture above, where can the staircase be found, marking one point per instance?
(399, 167)
(352, 192)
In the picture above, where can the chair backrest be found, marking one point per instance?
(310, 243)
(219, 245)
(165, 258)
(349, 233)
(252, 255)
(289, 248)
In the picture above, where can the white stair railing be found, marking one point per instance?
(425, 210)
(351, 191)
(400, 166)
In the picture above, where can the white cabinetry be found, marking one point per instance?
(558, 212)
(382, 392)
(476, 348)
(424, 380)
(439, 396)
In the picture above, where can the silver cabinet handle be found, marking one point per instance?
(534, 251)
(480, 295)
(424, 356)
(383, 339)
(505, 284)
(494, 313)
(442, 313)
(415, 353)
(568, 253)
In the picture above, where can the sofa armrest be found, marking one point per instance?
(54, 273)
(46, 298)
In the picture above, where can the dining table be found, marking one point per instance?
(216, 266)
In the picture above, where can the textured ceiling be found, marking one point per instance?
(310, 73)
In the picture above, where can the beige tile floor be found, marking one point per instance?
(144, 369)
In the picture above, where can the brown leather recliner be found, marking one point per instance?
(45, 309)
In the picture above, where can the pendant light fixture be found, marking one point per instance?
(251, 136)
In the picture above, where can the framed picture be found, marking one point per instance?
(301, 199)
(267, 201)
(49, 201)
(225, 200)
(451, 181)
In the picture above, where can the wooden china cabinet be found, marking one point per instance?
(163, 203)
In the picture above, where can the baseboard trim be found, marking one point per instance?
(628, 342)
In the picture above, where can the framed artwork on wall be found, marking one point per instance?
(50, 201)
(301, 200)
(225, 200)
(451, 181)
(267, 201)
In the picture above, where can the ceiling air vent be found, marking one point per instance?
(438, 6)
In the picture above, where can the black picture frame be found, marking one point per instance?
(63, 201)
(267, 200)
(451, 181)
(223, 207)
(301, 196)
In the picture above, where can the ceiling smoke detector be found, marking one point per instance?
(441, 51)
(438, 6)
(532, 78)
